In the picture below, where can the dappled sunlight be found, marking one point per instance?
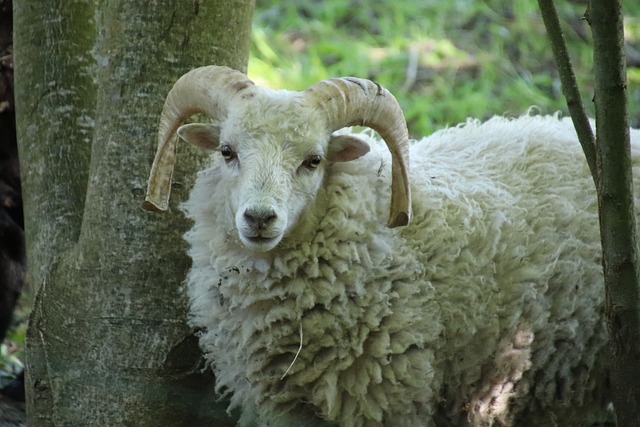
(632, 29)
(513, 358)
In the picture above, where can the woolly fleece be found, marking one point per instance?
(486, 310)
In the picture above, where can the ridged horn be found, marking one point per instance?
(201, 90)
(350, 101)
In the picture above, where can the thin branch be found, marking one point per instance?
(296, 356)
(569, 83)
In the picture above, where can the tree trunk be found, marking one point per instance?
(616, 205)
(107, 342)
(609, 158)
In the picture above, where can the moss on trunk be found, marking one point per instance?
(107, 342)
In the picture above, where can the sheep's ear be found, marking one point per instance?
(344, 148)
(203, 135)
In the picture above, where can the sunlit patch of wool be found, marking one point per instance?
(511, 361)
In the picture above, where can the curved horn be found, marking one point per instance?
(202, 90)
(351, 101)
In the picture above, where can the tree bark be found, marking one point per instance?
(616, 204)
(107, 342)
(610, 162)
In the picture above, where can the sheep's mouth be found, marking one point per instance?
(260, 239)
(260, 243)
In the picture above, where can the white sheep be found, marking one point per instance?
(486, 309)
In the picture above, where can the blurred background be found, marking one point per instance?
(444, 60)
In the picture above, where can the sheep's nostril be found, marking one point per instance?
(259, 218)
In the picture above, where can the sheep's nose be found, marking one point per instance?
(259, 218)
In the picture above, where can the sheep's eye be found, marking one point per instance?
(312, 162)
(227, 153)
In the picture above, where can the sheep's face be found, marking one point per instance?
(274, 152)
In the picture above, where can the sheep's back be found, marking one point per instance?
(506, 219)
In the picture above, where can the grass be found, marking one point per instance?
(444, 61)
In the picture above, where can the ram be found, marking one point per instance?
(479, 302)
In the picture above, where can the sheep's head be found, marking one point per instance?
(275, 145)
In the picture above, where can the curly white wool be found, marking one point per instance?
(486, 309)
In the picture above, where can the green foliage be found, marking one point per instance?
(444, 60)
(12, 349)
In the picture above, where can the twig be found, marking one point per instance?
(296, 357)
(569, 84)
